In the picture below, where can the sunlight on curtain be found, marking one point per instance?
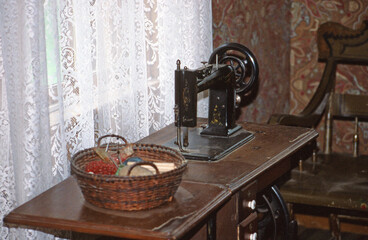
(7, 186)
(85, 69)
(27, 164)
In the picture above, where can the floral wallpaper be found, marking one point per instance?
(282, 35)
(263, 27)
(306, 71)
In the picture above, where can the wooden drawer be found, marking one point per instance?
(247, 229)
(247, 200)
(247, 225)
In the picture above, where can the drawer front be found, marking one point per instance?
(247, 200)
(247, 224)
(247, 229)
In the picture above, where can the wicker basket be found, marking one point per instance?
(130, 192)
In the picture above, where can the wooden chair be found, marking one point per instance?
(330, 183)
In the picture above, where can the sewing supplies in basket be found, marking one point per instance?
(119, 164)
(128, 176)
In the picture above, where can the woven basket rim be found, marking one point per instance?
(159, 148)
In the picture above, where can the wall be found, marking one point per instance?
(306, 72)
(262, 26)
(282, 35)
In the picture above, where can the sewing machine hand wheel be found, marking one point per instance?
(243, 62)
(274, 221)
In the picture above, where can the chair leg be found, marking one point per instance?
(291, 210)
(293, 224)
(335, 226)
(300, 166)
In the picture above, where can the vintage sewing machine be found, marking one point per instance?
(232, 70)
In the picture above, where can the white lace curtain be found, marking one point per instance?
(74, 70)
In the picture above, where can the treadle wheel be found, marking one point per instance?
(274, 222)
(243, 62)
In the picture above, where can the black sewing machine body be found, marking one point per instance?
(222, 79)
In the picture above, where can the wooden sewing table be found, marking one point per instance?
(207, 189)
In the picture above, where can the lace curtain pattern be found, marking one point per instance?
(71, 71)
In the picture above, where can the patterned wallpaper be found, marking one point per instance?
(305, 70)
(282, 35)
(263, 27)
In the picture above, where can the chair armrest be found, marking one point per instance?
(295, 120)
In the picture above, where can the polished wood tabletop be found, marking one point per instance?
(204, 188)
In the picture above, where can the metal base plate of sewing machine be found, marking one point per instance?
(211, 148)
(230, 72)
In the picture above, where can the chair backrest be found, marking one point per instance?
(343, 44)
(337, 44)
(340, 45)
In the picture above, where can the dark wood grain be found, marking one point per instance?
(63, 207)
(330, 181)
(205, 188)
